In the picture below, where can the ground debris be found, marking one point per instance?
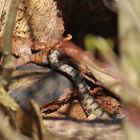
(79, 130)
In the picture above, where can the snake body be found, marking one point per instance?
(89, 105)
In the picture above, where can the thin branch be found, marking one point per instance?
(8, 60)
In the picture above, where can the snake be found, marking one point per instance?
(88, 103)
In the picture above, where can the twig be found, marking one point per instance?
(8, 60)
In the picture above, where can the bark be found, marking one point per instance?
(39, 84)
(77, 17)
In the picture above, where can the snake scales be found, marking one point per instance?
(89, 105)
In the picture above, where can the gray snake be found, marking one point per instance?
(88, 103)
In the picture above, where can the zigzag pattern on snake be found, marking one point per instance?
(89, 105)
